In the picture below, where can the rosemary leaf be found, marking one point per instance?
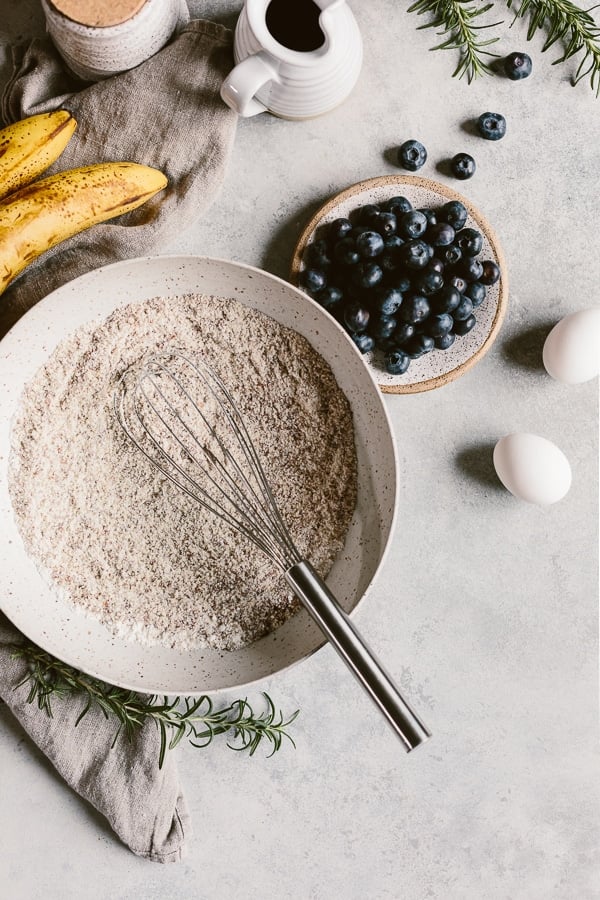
(51, 679)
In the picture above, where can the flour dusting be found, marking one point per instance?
(121, 542)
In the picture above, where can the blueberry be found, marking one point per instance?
(444, 341)
(398, 205)
(388, 300)
(464, 325)
(411, 155)
(338, 229)
(517, 66)
(459, 283)
(430, 215)
(429, 282)
(402, 283)
(392, 242)
(313, 280)
(345, 252)
(363, 341)
(436, 326)
(462, 311)
(388, 260)
(491, 272)
(415, 254)
(356, 317)
(317, 254)
(440, 235)
(403, 333)
(454, 213)
(450, 255)
(446, 300)
(367, 275)
(368, 213)
(369, 244)
(476, 292)
(386, 224)
(470, 241)
(462, 166)
(470, 269)
(436, 265)
(396, 362)
(414, 309)
(412, 224)
(419, 345)
(329, 297)
(491, 126)
(382, 327)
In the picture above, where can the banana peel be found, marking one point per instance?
(29, 147)
(37, 217)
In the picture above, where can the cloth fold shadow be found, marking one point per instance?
(166, 113)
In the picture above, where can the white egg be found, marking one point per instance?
(532, 468)
(572, 349)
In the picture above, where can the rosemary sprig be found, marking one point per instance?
(195, 718)
(565, 22)
(460, 22)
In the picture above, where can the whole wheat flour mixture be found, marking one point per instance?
(124, 544)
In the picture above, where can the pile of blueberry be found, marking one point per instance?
(402, 281)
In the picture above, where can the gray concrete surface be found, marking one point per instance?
(487, 607)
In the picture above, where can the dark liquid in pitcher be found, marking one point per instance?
(295, 24)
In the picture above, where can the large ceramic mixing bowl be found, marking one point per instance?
(38, 610)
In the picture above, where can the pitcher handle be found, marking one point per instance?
(242, 83)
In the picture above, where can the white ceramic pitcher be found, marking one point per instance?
(295, 58)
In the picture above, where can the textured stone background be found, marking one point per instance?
(486, 609)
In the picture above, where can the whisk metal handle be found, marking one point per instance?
(336, 625)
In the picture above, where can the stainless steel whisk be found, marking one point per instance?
(181, 416)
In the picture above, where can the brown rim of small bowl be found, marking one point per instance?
(486, 228)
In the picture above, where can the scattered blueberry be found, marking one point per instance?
(403, 332)
(470, 268)
(517, 66)
(451, 255)
(462, 166)
(430, 215)
(418, 345)
(412, 155)
(491, 126)
(382, 327)
(330, 296)
(368, 213)
(437, 325)
(386, 224)
(459, 283)
(491, 272)
(447, 300)
(429, 282)
(396, 362)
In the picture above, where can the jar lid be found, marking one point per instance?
(98, 13)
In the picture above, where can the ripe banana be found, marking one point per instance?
(28, 147)
(40, 215)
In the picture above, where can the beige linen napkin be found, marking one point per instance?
(165, 113)
(143, 804)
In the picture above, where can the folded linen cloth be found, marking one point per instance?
(166, 113)
(143, 804)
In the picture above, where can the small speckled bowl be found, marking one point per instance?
(37, 609)
(440, 366)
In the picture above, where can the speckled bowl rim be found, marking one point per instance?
(9, 351)
(395, 181)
